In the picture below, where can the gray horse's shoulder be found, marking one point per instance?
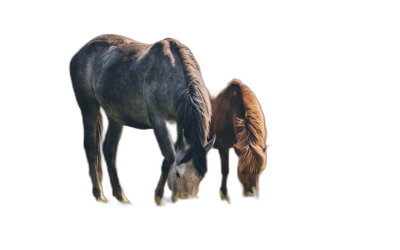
(109, 40)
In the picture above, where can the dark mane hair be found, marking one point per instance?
(250, 143)
(193, 108)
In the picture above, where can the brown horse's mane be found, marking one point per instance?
(250, 141)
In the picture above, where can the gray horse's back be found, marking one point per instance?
(111, 70)
(131, 49)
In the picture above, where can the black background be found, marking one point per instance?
(279, 58)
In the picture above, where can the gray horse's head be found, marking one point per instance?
(183, 177)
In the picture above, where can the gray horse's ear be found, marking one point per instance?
(187, 155)
(184, 145)
(210, 144)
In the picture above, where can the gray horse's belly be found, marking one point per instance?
(124, 103)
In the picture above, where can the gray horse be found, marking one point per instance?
(143, 86)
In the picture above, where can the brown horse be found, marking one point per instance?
(238, 122)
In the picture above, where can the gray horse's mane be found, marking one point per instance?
(193, 108)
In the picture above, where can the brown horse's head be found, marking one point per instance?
(249, 171)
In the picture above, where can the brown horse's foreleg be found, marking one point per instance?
(224, 154)
(110, 146)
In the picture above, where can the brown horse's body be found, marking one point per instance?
(238, 122)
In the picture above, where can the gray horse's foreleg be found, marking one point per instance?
(167, 150)
(224, 155)
(92, 129)
(110, 146)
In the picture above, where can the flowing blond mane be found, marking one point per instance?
(250, 144)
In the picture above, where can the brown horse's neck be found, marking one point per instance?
(226, 107)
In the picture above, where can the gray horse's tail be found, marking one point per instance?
(99, 130)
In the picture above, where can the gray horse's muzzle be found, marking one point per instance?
(182, 196)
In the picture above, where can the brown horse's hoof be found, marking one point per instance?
(224, 197)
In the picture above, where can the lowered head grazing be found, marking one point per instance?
(183, 176)
(249, 172)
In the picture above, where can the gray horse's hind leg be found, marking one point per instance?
(223, 190)
(92, 130)
(167, 149)
(91, 116)
(110, 146)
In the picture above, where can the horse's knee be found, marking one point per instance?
(166, 165)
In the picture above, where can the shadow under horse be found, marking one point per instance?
(238, 122)
(143, 86)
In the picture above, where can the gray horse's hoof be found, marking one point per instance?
(124, 201)
(121, 197)
(158, 200)
(101, 198)
(175, 197)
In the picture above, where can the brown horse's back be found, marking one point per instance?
(226, 107)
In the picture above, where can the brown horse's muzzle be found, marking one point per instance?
(253, 194)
